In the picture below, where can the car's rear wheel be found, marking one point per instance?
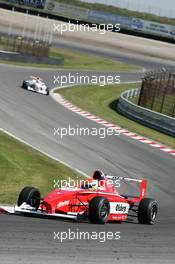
(30, 196)
(99, 209)
(24, 85)
(147, 211)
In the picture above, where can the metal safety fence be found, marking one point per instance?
(158, 91)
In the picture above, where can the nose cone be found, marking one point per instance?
(60, 200)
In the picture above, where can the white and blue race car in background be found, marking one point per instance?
(35, 84)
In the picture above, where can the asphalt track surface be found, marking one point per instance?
(32, 117)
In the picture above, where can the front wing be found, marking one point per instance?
(25, 209)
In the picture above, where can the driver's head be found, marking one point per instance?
(98, 175)
(90, 184)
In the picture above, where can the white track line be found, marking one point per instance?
(43, 152)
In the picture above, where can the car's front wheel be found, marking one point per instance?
(99, 209)
(47, 91)
(147, 211)
(30, 196)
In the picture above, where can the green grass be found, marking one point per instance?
(15, 63)
(134, 100)
(101, 101)
(168, 104)
(21, 166)
(77, 60)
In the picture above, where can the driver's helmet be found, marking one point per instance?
(90, 184)
(98, 175)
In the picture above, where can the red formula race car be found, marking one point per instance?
(94, 199)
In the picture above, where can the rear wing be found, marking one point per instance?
(142, 183)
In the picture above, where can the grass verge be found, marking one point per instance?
(21, 166)
(168, 104)
(101, 101)
(77, 60)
